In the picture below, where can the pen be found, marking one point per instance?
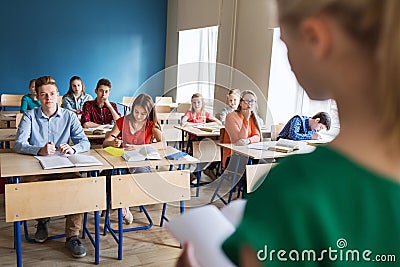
(113, 135)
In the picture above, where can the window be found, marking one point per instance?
(286, 97)
(197, 56)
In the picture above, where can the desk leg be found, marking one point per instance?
(97, 238)
(120, 233)
(17, 241)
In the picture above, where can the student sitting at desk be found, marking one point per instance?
(100, 111)
(197, 115)
(305, 128)
(30, 101)
(232, 99)
(44, 130)
(242, 126)
(76, 95)
(139, 127)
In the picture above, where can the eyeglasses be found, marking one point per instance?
(249, 102)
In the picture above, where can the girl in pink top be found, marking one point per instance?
(139, 127)
(196, 114)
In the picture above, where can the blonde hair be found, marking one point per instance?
(203, 103)
(374, 25)
(235, 92)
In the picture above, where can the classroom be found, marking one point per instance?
(118, 117)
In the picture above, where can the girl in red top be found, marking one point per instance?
(196, 114)
(139, 127)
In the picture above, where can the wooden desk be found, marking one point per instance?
(267, 154)
(173, 116)
(119, 163)
(14, 165)
(8, 117)
(6, 136)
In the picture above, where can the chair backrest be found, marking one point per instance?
(163, 109)
(275, 130)
(160, 100)
(128, 100)
(183, 107)
(149, 188)
(18, 118)
(254, 174)
(9, 100)
(60, 100)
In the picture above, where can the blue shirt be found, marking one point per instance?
(297, 128)
(27, 102)
(73, 104)
(36, 130)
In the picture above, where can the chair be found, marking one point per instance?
(183, 107)
(60, 100)
(228, 175)
(127, 102)
(254, 174)
(144, 189)
(275, 130)
(163, 100)
(10, 100)
(163, 109)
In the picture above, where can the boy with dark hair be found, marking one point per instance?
(100, 111)
(305, 128)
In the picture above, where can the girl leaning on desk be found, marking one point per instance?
(139, 127)
(331, 198)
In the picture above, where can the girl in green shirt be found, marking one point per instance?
(30, 101)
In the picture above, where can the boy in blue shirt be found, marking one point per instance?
(305, 128)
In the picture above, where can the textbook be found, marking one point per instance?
(102, 129)
(211, 128)
(206, 228)
(58, 160)
(143, 153)
(285, 146)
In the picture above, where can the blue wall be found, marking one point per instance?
(122, 40)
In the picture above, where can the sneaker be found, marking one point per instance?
(42, 232)
(75, 246)
(128, 217)
(211, 174)
(193, 177)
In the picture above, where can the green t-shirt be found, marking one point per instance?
(321, 201)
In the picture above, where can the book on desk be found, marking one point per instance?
(209, 128)
(146, 152)
(102, 129)
(59, 160)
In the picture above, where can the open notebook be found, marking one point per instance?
(143, 153)
(207, 228)
(58, 160)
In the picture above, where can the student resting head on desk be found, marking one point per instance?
(76, 95)
(330, 199)
(139, 127)
(100, 111)
(30, 101)
(43, 131)
(305, 128)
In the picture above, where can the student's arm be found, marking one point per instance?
(66, 103)
(236, 127)
(22, 144)
(185, 118)
(86, 118)
(110, 140)
(294, 130)
(24, 104)
(78, 136)
(113, 109)
(213, 120)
